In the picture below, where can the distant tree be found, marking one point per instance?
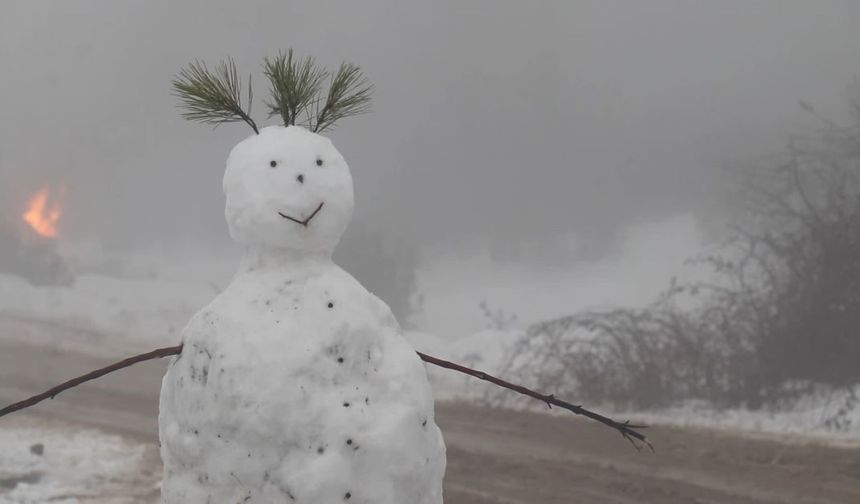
(497, 320)
(783, 304)
(801, 247)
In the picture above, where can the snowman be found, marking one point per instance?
(295, 384)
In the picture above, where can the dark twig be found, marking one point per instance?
(307, 219)
(627, 430)
(92, 375)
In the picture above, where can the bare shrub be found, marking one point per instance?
(636, 358)
(783, 303)
(805, 232)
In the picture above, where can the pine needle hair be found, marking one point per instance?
(302, 93)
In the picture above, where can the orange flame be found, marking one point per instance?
(43, 213)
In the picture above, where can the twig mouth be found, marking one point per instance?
(307, 219)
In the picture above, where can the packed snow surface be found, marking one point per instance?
(134, 315)
(50, 462)
(295, 383)
(283, 175)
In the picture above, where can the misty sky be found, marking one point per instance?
(512, 121)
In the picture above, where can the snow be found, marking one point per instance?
(632, 274)
(296, 350)
(823, 415)
(141, 313)
(144, 298)
(333, 384)
(285, 173)
(135, 303)
(820, 415)
(135, 314)
(45, 461)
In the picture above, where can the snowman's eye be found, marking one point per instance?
(319, 162)
(273, 163)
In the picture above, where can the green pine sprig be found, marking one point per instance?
(349, 94)
(213, 96)
(295, 85)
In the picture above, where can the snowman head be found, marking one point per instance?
(288, 188)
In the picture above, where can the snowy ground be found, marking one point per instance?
(148, 295)
(141, 302)
(139, 314)
(831, 416)
(48, 461)
(826, 415)
(494, 455)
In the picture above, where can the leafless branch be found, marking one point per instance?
(627, 430)
(92, 375)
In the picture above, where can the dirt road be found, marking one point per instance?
(495, 456)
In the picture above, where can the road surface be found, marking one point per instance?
(494, 456)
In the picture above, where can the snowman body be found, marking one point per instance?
(295, 384)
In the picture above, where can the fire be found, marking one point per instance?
(43, 213)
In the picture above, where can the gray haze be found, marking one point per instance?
(508, 121)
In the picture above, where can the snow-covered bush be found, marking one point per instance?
(782, 304)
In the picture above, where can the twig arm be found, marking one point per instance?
(627, 430)
(92, 375)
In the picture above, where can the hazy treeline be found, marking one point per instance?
(780, 310)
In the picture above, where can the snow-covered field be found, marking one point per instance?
(147, 296)
(45, 461)
(830, 416)
(142, 305)
(823, 414)
(138, 313)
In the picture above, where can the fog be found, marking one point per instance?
(647, 209)
(512, 126)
